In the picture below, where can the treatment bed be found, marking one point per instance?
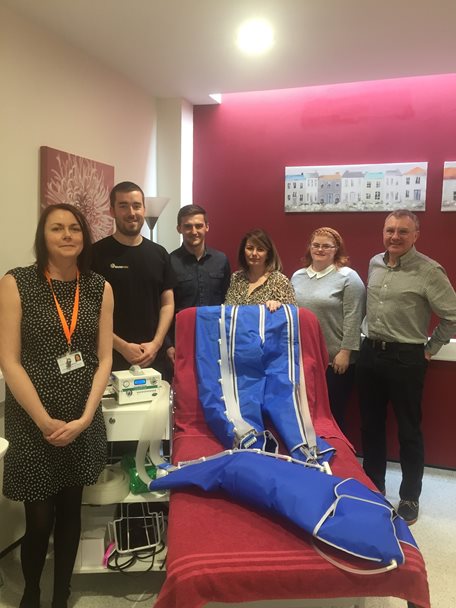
(221, 553)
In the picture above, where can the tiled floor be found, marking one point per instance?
(107, 590)
(435, 533)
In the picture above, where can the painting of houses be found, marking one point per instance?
(380, 187)
(449, 186)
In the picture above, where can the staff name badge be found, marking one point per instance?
(70, 361)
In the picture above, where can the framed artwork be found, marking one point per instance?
(379, 187)
(79, 181)
(449, 186)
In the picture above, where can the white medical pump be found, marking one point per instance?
(136, 384)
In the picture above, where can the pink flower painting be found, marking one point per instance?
(84, 183)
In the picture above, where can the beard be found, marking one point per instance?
(130, 229)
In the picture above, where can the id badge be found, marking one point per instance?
(70, 361)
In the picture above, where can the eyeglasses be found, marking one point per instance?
(323, 246)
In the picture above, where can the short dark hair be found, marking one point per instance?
(41, 252)
(340, 257)
(187, 210)
(124, 187)
(260, 238)
(397, 213)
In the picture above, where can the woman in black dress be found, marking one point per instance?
(55, 354)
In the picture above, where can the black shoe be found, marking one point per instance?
(60, 599)
(408, 510)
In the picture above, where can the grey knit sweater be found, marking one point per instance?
(338, 299)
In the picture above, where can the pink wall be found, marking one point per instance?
(241, 149)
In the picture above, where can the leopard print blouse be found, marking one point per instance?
(276, 287)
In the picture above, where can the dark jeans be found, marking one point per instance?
(339, 390)
(394, 374)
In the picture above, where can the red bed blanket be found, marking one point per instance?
(221, 551)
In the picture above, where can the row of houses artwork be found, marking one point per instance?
(381, 187)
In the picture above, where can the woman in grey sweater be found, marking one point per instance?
(336, 294)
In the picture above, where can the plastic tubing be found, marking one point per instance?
(112, 487)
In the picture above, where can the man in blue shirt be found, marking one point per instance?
(203, 274)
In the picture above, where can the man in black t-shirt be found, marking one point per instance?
(142, 280)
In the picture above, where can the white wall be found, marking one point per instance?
(174, 164)
(54, 95)
(11, 513)
(51, 94)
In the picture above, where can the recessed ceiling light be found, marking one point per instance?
(216, 97)
(255, 36)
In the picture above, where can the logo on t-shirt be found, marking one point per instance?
(112, 265)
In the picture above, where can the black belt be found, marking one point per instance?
(391, 346)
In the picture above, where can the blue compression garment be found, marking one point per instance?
(340, 512)
(248, 366)
(259, 375)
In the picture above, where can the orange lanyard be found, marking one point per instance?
(68, 331)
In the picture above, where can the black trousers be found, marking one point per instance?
(392, 373)
(340, 387)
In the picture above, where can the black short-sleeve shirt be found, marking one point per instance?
(138, 275)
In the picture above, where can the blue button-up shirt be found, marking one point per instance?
(202, 282)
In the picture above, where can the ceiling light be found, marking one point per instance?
(255, 37)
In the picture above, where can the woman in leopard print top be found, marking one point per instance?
(259, 280)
